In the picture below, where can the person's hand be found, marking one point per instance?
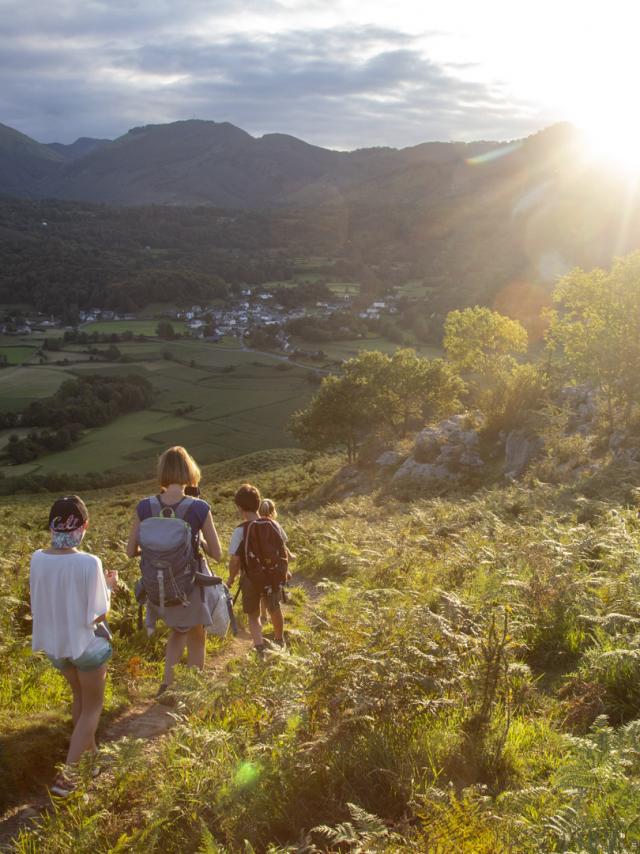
(229, 582)
(289, 575)
(111, 577)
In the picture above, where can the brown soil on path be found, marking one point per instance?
(149, 720)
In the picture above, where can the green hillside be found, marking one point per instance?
(463, 678)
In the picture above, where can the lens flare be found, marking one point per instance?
(246, 774)
(494, 154)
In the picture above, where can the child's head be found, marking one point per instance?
(68, 521)
(268, 508)
(247, 498)
(177, 466)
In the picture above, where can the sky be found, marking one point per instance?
(339, 73)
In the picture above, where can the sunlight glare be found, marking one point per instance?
(615, 139)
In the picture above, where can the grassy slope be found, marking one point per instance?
(31, 715)
(401, 695)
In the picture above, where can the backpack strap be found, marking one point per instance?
(182, 508)
(156, 505)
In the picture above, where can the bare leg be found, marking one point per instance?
(92, 684)
(196, 644)
(278, 623)
(173, 654)
(255, 627)
(70, 673)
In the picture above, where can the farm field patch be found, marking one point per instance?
(18, 354)
(110, 447)
(220, 402)
(414, 289)
(138, 327)
(347, 349)
(20, 385)
(343, 289)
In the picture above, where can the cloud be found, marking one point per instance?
(100, 68)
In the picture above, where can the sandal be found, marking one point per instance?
(62, 786)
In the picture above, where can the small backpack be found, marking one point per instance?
(169, 562)
(264, 555)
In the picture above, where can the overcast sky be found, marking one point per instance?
(338, 73)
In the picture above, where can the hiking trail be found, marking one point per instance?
(148, 719)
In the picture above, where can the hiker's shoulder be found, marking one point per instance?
(143, 508)
(199, 505)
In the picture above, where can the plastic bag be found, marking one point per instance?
(217, 601)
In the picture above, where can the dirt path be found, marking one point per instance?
(149, 720)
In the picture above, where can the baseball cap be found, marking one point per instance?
(68, 514)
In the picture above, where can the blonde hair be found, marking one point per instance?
(268, 508)
(177, 466)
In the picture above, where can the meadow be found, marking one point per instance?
(219, 399)
(138, 327)
(221, 402)
(17, 354)
(462, 677)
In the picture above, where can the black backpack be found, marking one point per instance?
(263, 554)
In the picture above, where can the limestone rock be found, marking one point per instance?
(390, 459)
(521, 447)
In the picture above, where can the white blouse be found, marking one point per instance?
(68, 592)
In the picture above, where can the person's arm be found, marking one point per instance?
(133, 547)
(111, 579)
(234, 569)
(211, 542)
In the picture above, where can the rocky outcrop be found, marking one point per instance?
(390, 460)
(583, 404)
(444, 454)
(521, 447)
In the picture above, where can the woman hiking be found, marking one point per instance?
(178, 474)
(69, 599)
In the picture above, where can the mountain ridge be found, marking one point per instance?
(195, 162)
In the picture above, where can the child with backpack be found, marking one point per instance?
(258, 553)
(268, 511)
(70, 596)
(168, 531)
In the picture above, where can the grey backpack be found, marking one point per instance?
(168, 563)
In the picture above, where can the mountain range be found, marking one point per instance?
(209, 163)
(480, 222)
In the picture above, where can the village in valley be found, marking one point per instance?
(256, 313)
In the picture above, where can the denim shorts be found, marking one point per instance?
(95, 655)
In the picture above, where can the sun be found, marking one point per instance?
(612, 137)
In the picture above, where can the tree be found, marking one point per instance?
(337, 415)
(486, 345)
(376, 393)
(404, 386)
(165, 330)
(594, 333)
(482, 341)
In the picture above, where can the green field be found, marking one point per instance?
(340, 350)
(18, 354)
(344, 288)
(138, 327)
(414, 289)
(19, 386)
(220, 402)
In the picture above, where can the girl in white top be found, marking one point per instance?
(69, 596)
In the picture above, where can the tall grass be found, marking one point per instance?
(464, 680)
